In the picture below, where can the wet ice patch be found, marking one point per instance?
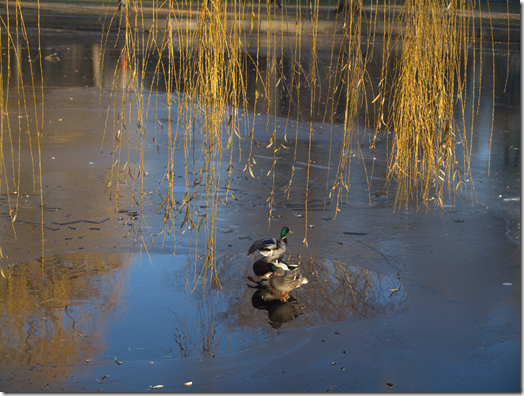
(312, 165)
(139, 310)
(265, 157)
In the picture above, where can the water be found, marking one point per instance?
(92, 306)
(92, 303)
(73, 60)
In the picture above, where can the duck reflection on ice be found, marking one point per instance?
(279, 312)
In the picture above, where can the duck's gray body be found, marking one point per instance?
(271, 247)
(285, 281)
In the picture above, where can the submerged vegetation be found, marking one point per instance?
(423, 105)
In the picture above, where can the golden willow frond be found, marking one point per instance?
(208, 56)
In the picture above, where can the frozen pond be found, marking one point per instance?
(395, 290)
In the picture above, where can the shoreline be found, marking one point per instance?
(98, 18)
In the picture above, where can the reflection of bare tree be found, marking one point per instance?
(59, 312)
(235, 316)
(340, 292)
(201, 334)
(337, 292)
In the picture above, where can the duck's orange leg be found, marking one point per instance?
(283, 296)
(286, 297)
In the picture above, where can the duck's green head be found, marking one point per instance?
(276, 270)
(285, 231)
(272, 267)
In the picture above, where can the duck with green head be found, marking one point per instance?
(266, 266)
(271, 247)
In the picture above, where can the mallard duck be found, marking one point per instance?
(285, 281)
(271, 246)
(266, 266)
